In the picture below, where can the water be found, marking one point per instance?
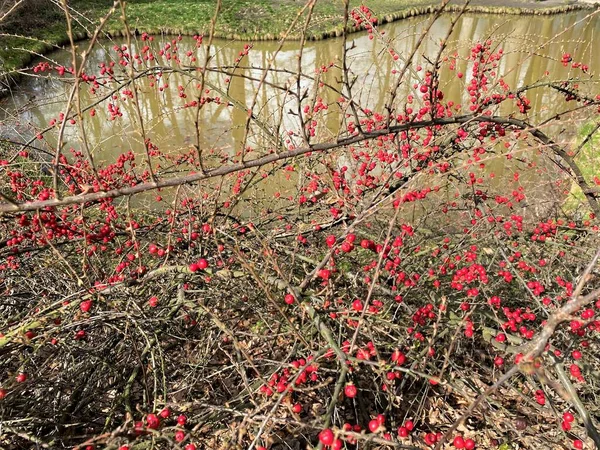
(533, 47)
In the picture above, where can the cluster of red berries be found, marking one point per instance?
(568, 418)
(282, 381)
(432, 438)
(363, 17)
(575, 371)
(460, 442)
(469, 327)
(154, 421)
(201, 264)
(405, 429)
(540, 397)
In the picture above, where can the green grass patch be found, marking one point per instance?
(41, 26)
(588, 160)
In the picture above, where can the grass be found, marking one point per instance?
(588, 160)
(245, 18)
(42, 27)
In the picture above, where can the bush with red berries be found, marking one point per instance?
(398, 292)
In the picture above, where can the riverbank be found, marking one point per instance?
(42, 29)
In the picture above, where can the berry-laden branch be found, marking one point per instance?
(537, 346)
(322, 147)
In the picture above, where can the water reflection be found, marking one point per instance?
(532, 45)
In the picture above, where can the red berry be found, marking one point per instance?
(85, 305)
(350, 390)
(297, 408)
(402, 432)
(190, 447)
(22, 377)
(289, 299)
(430, 438)
(138, 427)
(568, 417)
(181, 420)
(578, 444)
(202, 264)
(357, 305)
(347, 247)
(409, 425)
(324, 274)
(153, 302)
(80, 335)
(459, 442)
(374, 425)
(398, 357)
(469, 444)
(326, 437)
(153, 421)
(575, 370)
(179, 435)
(2, 394)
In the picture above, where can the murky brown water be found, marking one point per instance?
(533, 46)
